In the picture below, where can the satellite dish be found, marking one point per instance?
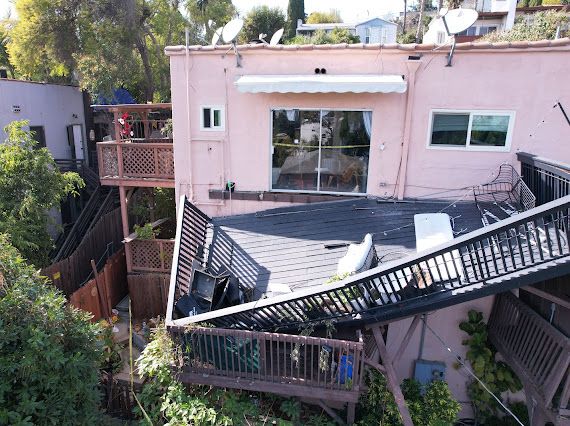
(442, 12)
(458, 20)
(216, 36)
(210, 23)
(276, 37)
(262, 36)
(231, 30)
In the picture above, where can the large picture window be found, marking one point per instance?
(475, 130)
(320, 150)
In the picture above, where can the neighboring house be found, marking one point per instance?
(389, 124)
(494, 15)
(375, 30)
(55, 113)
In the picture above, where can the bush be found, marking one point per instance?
(543, 26)
(49, 351)
(336, 36)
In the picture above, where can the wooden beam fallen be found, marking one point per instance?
(392, 378)
(550, 297)
(407, 337)
(331, 412)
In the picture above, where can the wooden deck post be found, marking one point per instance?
(125, 223)
(391, 377)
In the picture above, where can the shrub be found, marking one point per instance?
(49, 351)
(542, 25)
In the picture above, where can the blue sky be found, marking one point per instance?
(350, 10)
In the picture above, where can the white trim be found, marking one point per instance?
(467, 147)
(305, 191)
(213, 128)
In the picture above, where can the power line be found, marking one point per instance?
(460, 360)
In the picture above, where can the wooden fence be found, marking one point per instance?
(104, 291)
(149, 294)
(104, 238)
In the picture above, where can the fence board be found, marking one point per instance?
(149, 293)
(111, 282)
(69, 273)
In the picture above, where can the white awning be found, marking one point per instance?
(318, 83)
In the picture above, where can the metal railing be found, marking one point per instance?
(547, 179)
(121, 160)
(272, 359)
(537, 351)
(151, 255)
(531, 244)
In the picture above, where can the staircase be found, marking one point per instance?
(528, 247)
(101, 200)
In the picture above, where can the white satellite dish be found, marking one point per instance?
(442, 12)
(231, 30)
(458, 20)
(276, 37)
(455, 22)
(210, 23)
(216, 36)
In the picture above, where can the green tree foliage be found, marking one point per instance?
(331, 16)
(203, 11)
(295, 11)
(336, 36)
(496, 375)
(5, 27)
(101, 44)
(262, 19)
(435, 406)
(30, 185)
(49, 351)
(542, 26)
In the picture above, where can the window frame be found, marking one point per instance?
(213, 128)
(468, 147)
(320, 109)
(42, 143)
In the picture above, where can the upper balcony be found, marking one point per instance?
(138, 149)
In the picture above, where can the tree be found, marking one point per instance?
(204, 11)
(336, 36)
(5, 26)
(420, 20)
(295, 11)
(331, 16)
(544, 25)
(49, 351)
(30, 186)
(101, 44)
(262, 19)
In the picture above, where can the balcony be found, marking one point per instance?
(143, 164)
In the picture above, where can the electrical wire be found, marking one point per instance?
(460, 360)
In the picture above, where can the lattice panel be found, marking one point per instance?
(138, 161)
(165, 162)
(109, 165)
(151, 255)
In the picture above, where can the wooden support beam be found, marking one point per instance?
(550, 297)
(392, 378)
(407, 337)
(375, 365)
(331, 412)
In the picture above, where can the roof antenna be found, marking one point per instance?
(456, 21)
(229, 34)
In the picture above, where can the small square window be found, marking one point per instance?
(212, 118)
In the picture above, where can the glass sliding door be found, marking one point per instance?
(324, 150)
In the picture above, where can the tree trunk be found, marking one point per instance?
(420, 21)
(405, 16)
(149, 84)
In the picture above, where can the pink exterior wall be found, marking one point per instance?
(526, 81)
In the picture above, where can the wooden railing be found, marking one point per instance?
(151, 255)
(130, 160)
(547, 179)
(526, 248)
(135, 128)
(538, 352)
(297, 365)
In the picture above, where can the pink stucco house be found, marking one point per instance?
(384, 136)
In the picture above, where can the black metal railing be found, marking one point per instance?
(547, 179)
(532, 244)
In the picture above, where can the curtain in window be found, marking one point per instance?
(367, 119)
(291, 114)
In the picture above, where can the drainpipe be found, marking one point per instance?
(412, 66)
(188, 119)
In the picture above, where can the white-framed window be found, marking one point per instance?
(212, 118)
(320, 150)
(471, 130)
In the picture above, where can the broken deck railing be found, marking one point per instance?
(470, 266)
(271, 360)
(548, 179)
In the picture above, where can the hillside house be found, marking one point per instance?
(374, 30)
